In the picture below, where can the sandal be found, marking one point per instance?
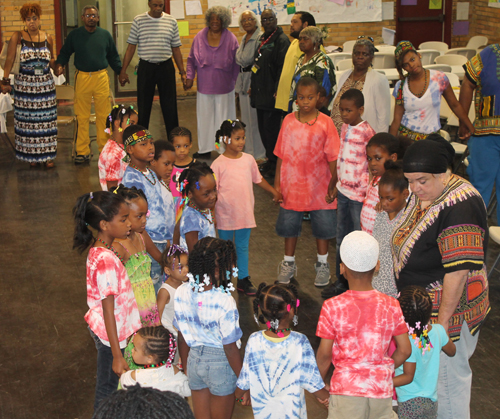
(49, 164)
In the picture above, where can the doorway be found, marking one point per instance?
(417, 23)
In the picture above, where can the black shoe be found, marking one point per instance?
(202, 155)
(80, 159)
(334, 290)
(266, 166)
(306, 216)
(246, 286)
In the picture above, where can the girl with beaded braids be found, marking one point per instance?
(111, 164)
(208, 327)
(235, 173)
(154, 350)
(416, 380)
(113, 315)
(199, 191)
(279, 363)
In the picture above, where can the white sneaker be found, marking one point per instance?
(286, 271)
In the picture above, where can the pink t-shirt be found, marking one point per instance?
(352, 165)
(111, 164)
(235, 200)
(107, 276)
(361, 324)
(306, 151)
(368, 212)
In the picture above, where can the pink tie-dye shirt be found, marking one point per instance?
(361, 324)
(111, 165)
(352, 165)
(107, 276)
(368, 212)
(305, 151)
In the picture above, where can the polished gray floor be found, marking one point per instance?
(48, 360)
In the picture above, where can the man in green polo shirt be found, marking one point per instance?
(94, 50)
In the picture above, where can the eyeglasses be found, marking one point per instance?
(250, 19)
(266, 19)
(93, 16)
(367, 37)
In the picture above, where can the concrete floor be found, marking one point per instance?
(48, 358)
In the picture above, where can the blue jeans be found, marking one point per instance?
(241, 239)
(348, 220)
(106, 379)
(455, 378)
(157, 274)
(484, 166)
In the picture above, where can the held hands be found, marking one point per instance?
(58, 70)
(188, 83)
(123, 78)
(246, 399)
(325, 402)
(183, 79)
(120, 366)
(277, 197)
(6, 88)
(331, 195)
(464, 132)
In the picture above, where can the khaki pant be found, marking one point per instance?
(88, 86)
(351, 407)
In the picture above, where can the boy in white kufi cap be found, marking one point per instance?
(356, 328)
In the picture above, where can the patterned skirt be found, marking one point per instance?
(35, 115)
(414, 135)
(417, 408)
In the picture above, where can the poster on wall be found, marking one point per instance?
(494, 3)
(324, 11)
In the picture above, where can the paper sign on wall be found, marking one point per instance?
(183, 28)
(461, 28)
(408, 2)
(193, 8)
(435, 4)
(462, 11)
(387, 10)
(177, 9)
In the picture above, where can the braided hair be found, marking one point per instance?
(189, 177)
(274, 301)
(171, 253)
(227, 128)
(143, 402)
(180, 132)
(157, 341)
(90, 209)
(119, 113)
(416, 305)
(394, 176)
(209, 254)
(129, 194)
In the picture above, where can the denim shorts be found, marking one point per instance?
(323, 223)
(209, 368)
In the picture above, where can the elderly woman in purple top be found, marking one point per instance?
(212, 56)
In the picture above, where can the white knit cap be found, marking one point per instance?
(359, 251)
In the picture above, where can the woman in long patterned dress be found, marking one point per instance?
(35, 106)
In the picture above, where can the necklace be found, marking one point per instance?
(112, 249)
(159, 364)
(280, 331)
(315, 119)
(153, 182)
(419, 95)
(265, 42)
(136, 249)
(164, 184)
(355, 81)
(204, 212)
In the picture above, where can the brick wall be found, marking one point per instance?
(11, 19)
(483, 20)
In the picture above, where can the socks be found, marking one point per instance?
(289, 258)
(323, 258)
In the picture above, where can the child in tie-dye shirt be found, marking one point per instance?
(208, 327)
(279, 364)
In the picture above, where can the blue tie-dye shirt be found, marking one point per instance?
(208, 318)
(161, 220)
(193, 220)
(276, 373)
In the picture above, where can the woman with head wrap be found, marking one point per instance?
(372, 84)
(439, 243)
(312, 63)
(418, 97)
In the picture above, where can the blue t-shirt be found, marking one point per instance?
(425, 381)
(161, 221)
(193, 220)
(276, 371)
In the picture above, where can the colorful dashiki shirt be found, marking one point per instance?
(276, 371)
(449, 235)
(483, 70)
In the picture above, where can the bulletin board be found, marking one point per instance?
(324, 11)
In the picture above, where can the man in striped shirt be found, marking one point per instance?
(157, 35)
